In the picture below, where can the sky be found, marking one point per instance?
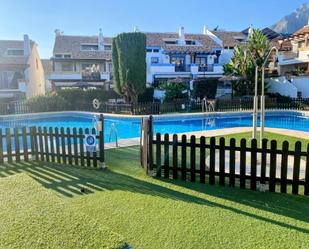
(39, 18)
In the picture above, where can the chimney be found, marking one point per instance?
(58, 32)
(181, 39)
(250, 31)
(26, 46)
(205, 30)
(101, 40)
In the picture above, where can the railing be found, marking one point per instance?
(238, 104)
(227, 163)
(58, 145)
(145, 108)
(206, 68)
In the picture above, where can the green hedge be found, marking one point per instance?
(69, 99)
(77, 96)
(48, 103)
(146, 96)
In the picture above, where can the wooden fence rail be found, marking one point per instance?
(59, 145)
(228, 163)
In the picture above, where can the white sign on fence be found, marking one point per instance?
(90, 143)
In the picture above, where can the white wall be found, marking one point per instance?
(226, 56)
(282, 86)
(34, 74)
(302, 85)
(163, 59)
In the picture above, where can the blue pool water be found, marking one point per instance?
(130, 127)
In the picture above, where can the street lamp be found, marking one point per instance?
(262, 120)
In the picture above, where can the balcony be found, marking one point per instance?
(76, 76)
(182, 68)
(186, 71)
(65, 76)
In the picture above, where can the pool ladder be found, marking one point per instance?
(95, 123)
(114, 130)
(207, 106)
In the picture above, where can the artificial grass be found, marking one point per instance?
(34, 217)
(270, 136)
(157, 213)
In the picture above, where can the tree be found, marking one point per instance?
(243, 62)
(174, 91)
(129, 65)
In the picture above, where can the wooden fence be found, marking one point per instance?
(59, 145)
(246, 165)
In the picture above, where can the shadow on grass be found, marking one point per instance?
(69, 180)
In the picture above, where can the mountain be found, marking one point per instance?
(293, 22)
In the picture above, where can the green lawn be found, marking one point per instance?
(146, 212)
(270, 136)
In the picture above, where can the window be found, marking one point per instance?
(58, 55)
(66, 56)
(110, 67)
(156, 50)
(4, 80)
(91, 67)
(10, 79)
(201, 60)
(154, 60)
(67, 67)
(107, 47)
(149, 50)
(86, 66)
(170, 42)
(190, 42)
(90, 47)
(15, 52)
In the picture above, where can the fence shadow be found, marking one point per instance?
(70, 180)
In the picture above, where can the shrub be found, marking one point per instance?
(48, 103)
(174, 91)
(147, 96)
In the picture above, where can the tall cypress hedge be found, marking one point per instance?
(129, 65)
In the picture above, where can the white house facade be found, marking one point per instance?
(189, 56)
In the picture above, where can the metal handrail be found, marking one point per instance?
(115, 130)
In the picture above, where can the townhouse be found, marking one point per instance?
(81, 61)
(21, 70)
(189, 56)
(293, 65)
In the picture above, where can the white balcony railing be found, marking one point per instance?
(65, 76)
(75, 76)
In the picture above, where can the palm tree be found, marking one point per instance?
(243, 62)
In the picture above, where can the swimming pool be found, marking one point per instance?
(129, 127)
